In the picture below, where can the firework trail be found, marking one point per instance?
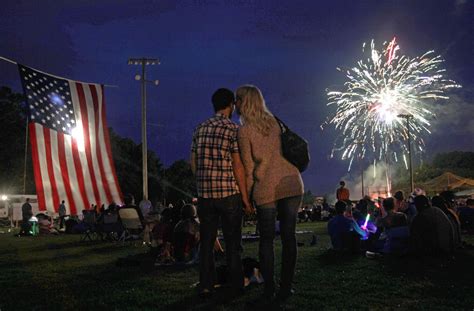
(377, 90)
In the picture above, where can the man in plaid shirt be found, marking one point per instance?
(220, 178)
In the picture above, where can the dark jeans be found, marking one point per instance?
(229, 210)
(287, 210)
(61, 222)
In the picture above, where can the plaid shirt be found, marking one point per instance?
(214, 141)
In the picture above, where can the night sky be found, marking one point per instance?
(289, 49)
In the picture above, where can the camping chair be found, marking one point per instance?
(90, 224)
(131, 223)
(110, 226)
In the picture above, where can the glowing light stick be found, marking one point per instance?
(364, 227)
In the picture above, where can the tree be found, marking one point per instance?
(12, 137)
(128, 158)
(179, 182)
(308, 197)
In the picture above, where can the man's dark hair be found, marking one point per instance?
(439, 202)
(62, 201)
(399, 195)
(128, 199)
(340, 207)
(27, 199)
(342, 183)
(188, 211)
(222, 98)
(388, 204)
(421, 203)
(448, 196)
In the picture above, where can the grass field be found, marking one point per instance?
(59, 273)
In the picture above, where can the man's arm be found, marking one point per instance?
(239, 173)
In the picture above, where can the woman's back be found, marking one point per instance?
(271, 175)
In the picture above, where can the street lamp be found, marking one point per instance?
(409, 117)
(144, 62)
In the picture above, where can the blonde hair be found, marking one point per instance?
(253, 111)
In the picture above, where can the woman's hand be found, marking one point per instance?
(248, 207)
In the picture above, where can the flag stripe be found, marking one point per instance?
(98, 144)
(57, 170)
(36, 167)
(44, 168)
(79, 174)
(78, 152)
(112, 175)
(71, 169)
(87, 141)
(71, 203)
(88, 90)
(48, 158)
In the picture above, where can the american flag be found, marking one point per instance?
(72, 157)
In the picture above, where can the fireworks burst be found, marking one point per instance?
(377, 90)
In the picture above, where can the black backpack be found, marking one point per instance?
(294, 148)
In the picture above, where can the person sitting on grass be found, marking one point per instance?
(344, 232)
(391, 218)
(45, 224)
(163, 238)
(394, 238)
(443, 205)
(186, 235)
(431, 233)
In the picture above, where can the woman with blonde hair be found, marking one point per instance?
(274, 184)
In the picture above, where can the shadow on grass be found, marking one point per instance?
(331, 257)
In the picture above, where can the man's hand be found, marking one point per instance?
(248, 208)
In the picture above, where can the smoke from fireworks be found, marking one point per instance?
(379, 89)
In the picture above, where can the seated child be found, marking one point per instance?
(186, 235)
(345, 233)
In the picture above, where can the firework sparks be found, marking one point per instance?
(377, 90)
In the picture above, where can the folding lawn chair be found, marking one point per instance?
(110, 226)
(132, 226)
(90, 224)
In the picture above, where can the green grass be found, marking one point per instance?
(59, 273)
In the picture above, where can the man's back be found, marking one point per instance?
(62, 209)
(26, 210)
(432, 232)
(342, 194)
(214, 141)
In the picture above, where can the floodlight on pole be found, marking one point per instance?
(144, 62)
(409, 117)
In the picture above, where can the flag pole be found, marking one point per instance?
(15, 63)
(26, 156)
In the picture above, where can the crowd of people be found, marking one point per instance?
(398, 225)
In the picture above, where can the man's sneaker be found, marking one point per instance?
(284, 294)
(205, 293)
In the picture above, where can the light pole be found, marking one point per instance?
(144, 62)
(408, 117)
(361, 143)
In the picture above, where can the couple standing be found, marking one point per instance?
(235, 169)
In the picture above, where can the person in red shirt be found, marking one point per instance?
(342, 193)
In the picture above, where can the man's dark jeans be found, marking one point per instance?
(229, 210)
(287, 210)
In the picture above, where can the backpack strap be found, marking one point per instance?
(282, 125)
